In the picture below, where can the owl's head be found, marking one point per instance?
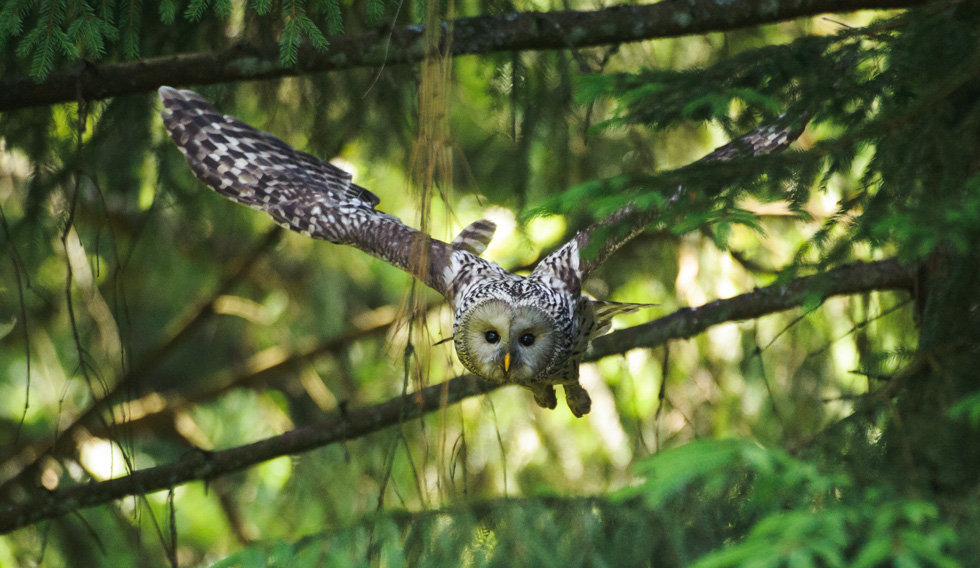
(506, 343)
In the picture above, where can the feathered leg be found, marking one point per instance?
(544, 395)
(578, 400)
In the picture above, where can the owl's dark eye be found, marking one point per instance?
(492, 336)
(526, 340)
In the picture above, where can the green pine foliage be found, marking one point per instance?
(755, 507)
(886, 478)
(375, 11)
(47, 39)
(872, 87)
(908, 128)
(52, 34)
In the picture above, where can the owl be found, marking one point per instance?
(530, 331)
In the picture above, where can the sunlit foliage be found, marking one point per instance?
(841, 433)
(46, 32)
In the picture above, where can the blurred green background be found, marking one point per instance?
(839, 432)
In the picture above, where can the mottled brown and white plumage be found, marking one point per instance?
(532, 331)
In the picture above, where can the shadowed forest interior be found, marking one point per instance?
(804, 392)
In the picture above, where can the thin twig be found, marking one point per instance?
(351, 424)
(156, 356)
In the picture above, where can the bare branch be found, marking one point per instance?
(345, 425)
(64, 442)
(476, 35)
(259, 371)
(855, 278)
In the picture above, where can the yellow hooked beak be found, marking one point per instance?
(507, 362)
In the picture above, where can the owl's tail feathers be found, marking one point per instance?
(476, 237)
(606, 311)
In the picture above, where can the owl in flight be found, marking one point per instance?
(531, 331)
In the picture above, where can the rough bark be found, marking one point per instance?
(404, 44)
(350, 424)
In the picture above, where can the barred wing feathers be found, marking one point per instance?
(298, 190)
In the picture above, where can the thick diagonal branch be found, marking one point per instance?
(198, 466)
(476, 35)
(850, 279)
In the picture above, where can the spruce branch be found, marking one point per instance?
(523, 31)
(850, 279)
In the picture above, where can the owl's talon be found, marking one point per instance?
(552, 323)
(545, 396)
(578, 400)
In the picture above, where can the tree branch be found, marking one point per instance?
(258, 371)
(474, 35)
(30, 454)
(347, 425)
(812, 290)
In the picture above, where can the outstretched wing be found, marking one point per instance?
(568, 266)
(299, 191)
